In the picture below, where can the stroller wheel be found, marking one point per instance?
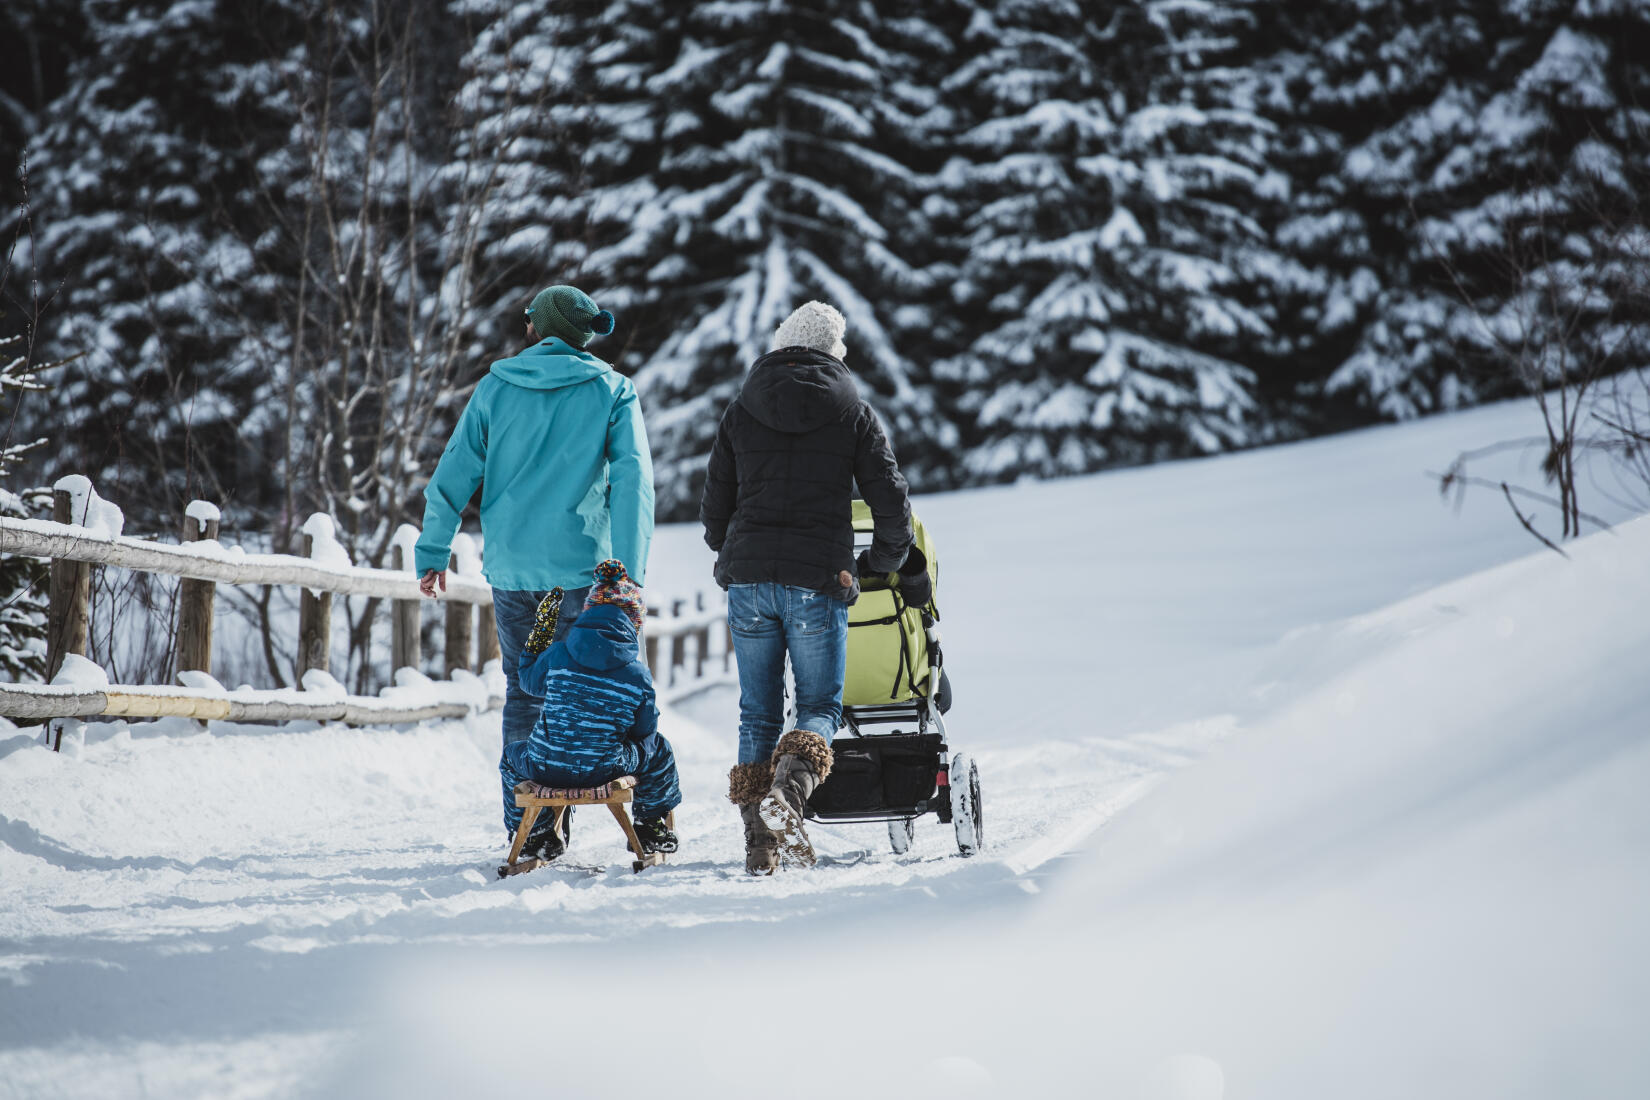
(967, 817)
(900, 831)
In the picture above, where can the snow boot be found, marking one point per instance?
(655, 836)
(761, 845)
(545, 844)
(747, 783)
(802, 760)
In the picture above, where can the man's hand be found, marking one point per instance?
(427, 583)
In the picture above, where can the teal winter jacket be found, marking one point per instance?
(554, 436)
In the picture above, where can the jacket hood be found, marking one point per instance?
(549, 365)
(798, 390)
(602, 638)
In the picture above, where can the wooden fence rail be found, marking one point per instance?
(678, 646)
(209, 561)
(245, 705)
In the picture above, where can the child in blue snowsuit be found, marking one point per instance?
(599, 720)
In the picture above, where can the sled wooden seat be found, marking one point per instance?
(532, 797)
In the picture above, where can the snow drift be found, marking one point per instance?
(1423, 878)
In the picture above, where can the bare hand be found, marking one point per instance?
(427, 583)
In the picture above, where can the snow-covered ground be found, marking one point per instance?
(1305, 785)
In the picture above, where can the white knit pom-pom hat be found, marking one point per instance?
(813, 325)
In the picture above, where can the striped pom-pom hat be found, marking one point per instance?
(614, 586)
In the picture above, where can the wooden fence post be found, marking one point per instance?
(688, 653)
(67, 629)
(486, 636)
(195, 599)
(650, 646)
(701, 652)
(403, 621)
(314, 625)
(677, 644)
(455, 651)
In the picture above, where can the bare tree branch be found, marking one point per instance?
(1528, 526)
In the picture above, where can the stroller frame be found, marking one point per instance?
(954, 794)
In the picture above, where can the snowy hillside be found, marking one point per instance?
(1308, 786)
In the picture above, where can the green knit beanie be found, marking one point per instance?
(568, 312)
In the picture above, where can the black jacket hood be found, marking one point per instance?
(798, 390)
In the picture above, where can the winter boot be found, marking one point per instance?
(747, 783)
(543, 843)
(761, 845)
(655, 835)
(802, 760)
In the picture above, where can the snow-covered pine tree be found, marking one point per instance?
(243, 205)
(374, 293)
(24, 599)
(134, 170)
(38, 41)
(376, 267)
(525, 132)
(1346, 73)
(23, 589)
(1541, 228)
(1451, 146)
(774, 187)
(1116, 178)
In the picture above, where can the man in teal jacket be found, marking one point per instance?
(555, 440)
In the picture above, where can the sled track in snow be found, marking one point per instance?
(418, 864)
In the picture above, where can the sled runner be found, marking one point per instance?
(532, 798)
(894, 764)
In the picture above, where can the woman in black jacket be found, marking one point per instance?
(777, 510)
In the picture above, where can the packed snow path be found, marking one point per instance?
(358, 837)
(313, 912)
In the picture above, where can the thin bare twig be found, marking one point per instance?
(1528, 526)
(1450, 478)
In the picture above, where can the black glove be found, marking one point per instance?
(862, 565)
(915, 585)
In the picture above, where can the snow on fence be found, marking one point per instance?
(687, 649)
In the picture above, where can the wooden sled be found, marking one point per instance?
(532, 797)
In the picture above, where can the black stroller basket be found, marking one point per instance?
(875, 778)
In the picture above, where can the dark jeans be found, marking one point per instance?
(514, 612)
(768, 620)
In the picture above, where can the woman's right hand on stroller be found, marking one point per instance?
(912, 579)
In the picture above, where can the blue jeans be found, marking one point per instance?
(514, 612)
(767, 620)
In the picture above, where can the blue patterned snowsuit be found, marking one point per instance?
(599, 719)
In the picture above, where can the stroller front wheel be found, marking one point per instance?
(967, 816)
(900, 832)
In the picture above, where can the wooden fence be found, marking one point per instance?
(687, 645)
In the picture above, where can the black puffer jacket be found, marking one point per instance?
(780, 488)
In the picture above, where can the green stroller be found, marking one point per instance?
(892, 761)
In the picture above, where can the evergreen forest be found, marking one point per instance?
(270, 245)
